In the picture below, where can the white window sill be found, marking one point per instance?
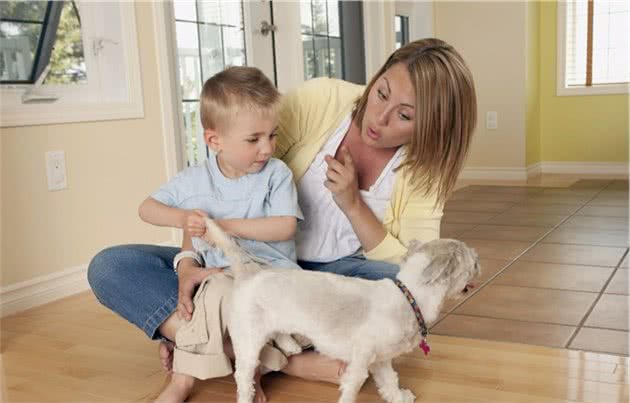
(597, 90)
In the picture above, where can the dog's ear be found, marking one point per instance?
(440, 268)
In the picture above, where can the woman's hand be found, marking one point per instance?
(189, 276)
(343, 181)
(194, 222)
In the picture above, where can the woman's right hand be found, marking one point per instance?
(190, 276)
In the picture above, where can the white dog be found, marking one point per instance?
(364, 323)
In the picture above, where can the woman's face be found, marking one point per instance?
(390, 112)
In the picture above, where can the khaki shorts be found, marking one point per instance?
(199, 343)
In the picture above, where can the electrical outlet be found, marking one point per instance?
(56, 170)
(492, 120)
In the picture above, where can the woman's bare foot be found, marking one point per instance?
(165, 350)
(315, 367)
(259, 397)
(177, 390)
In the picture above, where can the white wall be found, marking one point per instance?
(491, 36)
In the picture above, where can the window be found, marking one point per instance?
(68, 61)
(401, 27)
(27, 29)
(210, 37)
(593, 47)
(321, 39)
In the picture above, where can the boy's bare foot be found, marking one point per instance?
(259, 397)
(165, 350)
(177, 390)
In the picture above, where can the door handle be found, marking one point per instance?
(266, 27)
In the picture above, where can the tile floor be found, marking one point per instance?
(554, 264)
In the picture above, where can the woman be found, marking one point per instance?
(373, 166)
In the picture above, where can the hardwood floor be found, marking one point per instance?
(75, 350)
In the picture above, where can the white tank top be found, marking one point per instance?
(326, 234)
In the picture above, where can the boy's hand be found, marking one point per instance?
(195, 223)
(189, 276)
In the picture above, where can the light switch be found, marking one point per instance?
(492, 120)
(56, 170)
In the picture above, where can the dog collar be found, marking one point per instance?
(416, 310)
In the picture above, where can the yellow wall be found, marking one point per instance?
(576, 128)
(532, 113)
(112, 166)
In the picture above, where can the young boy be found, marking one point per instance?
(249, 193)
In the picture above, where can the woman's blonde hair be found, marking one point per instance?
(446, 113)
(234, 90)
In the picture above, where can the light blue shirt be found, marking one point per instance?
(268, 193)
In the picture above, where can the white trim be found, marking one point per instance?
(170, 102)
(534, 169)
(48, 288)
(615, 169)
(41, 290)
(581, 168)
(378, 33)
(494, 173)
(561, 89)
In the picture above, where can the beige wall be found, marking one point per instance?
(112, 166)
(491, 36)
(532, 117)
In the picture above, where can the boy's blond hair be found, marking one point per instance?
(234, 90)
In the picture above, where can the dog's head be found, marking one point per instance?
(442, 261)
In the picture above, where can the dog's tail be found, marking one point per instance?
(242, 262)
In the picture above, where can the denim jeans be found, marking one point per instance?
(139, 284)
(355, 266)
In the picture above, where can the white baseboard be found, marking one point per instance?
(583, 168)
(44, 289)
(494, 173)
(615, 169)
(41, 290)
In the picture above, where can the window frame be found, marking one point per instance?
(106, 96)
(561, 88)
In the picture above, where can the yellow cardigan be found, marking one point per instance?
(308, 116)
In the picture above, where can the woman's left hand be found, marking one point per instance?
(343, 181)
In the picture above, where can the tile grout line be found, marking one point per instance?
(601, 293)
(536, 242)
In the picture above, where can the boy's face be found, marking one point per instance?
(245, 144)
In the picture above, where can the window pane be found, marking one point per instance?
(306, 17)
(67, 61)
(232, 13)
(333, 18)
(196, 150)
(23, 10)
(211, 50)
(234, 46)
(336, 64)
(209, 11)
(188, 55)
(320, 25)
(611, 32)
(309, 57)
(18, 42)
(185, 10)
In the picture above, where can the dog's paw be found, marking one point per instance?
(287, 344)
(406, 396)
